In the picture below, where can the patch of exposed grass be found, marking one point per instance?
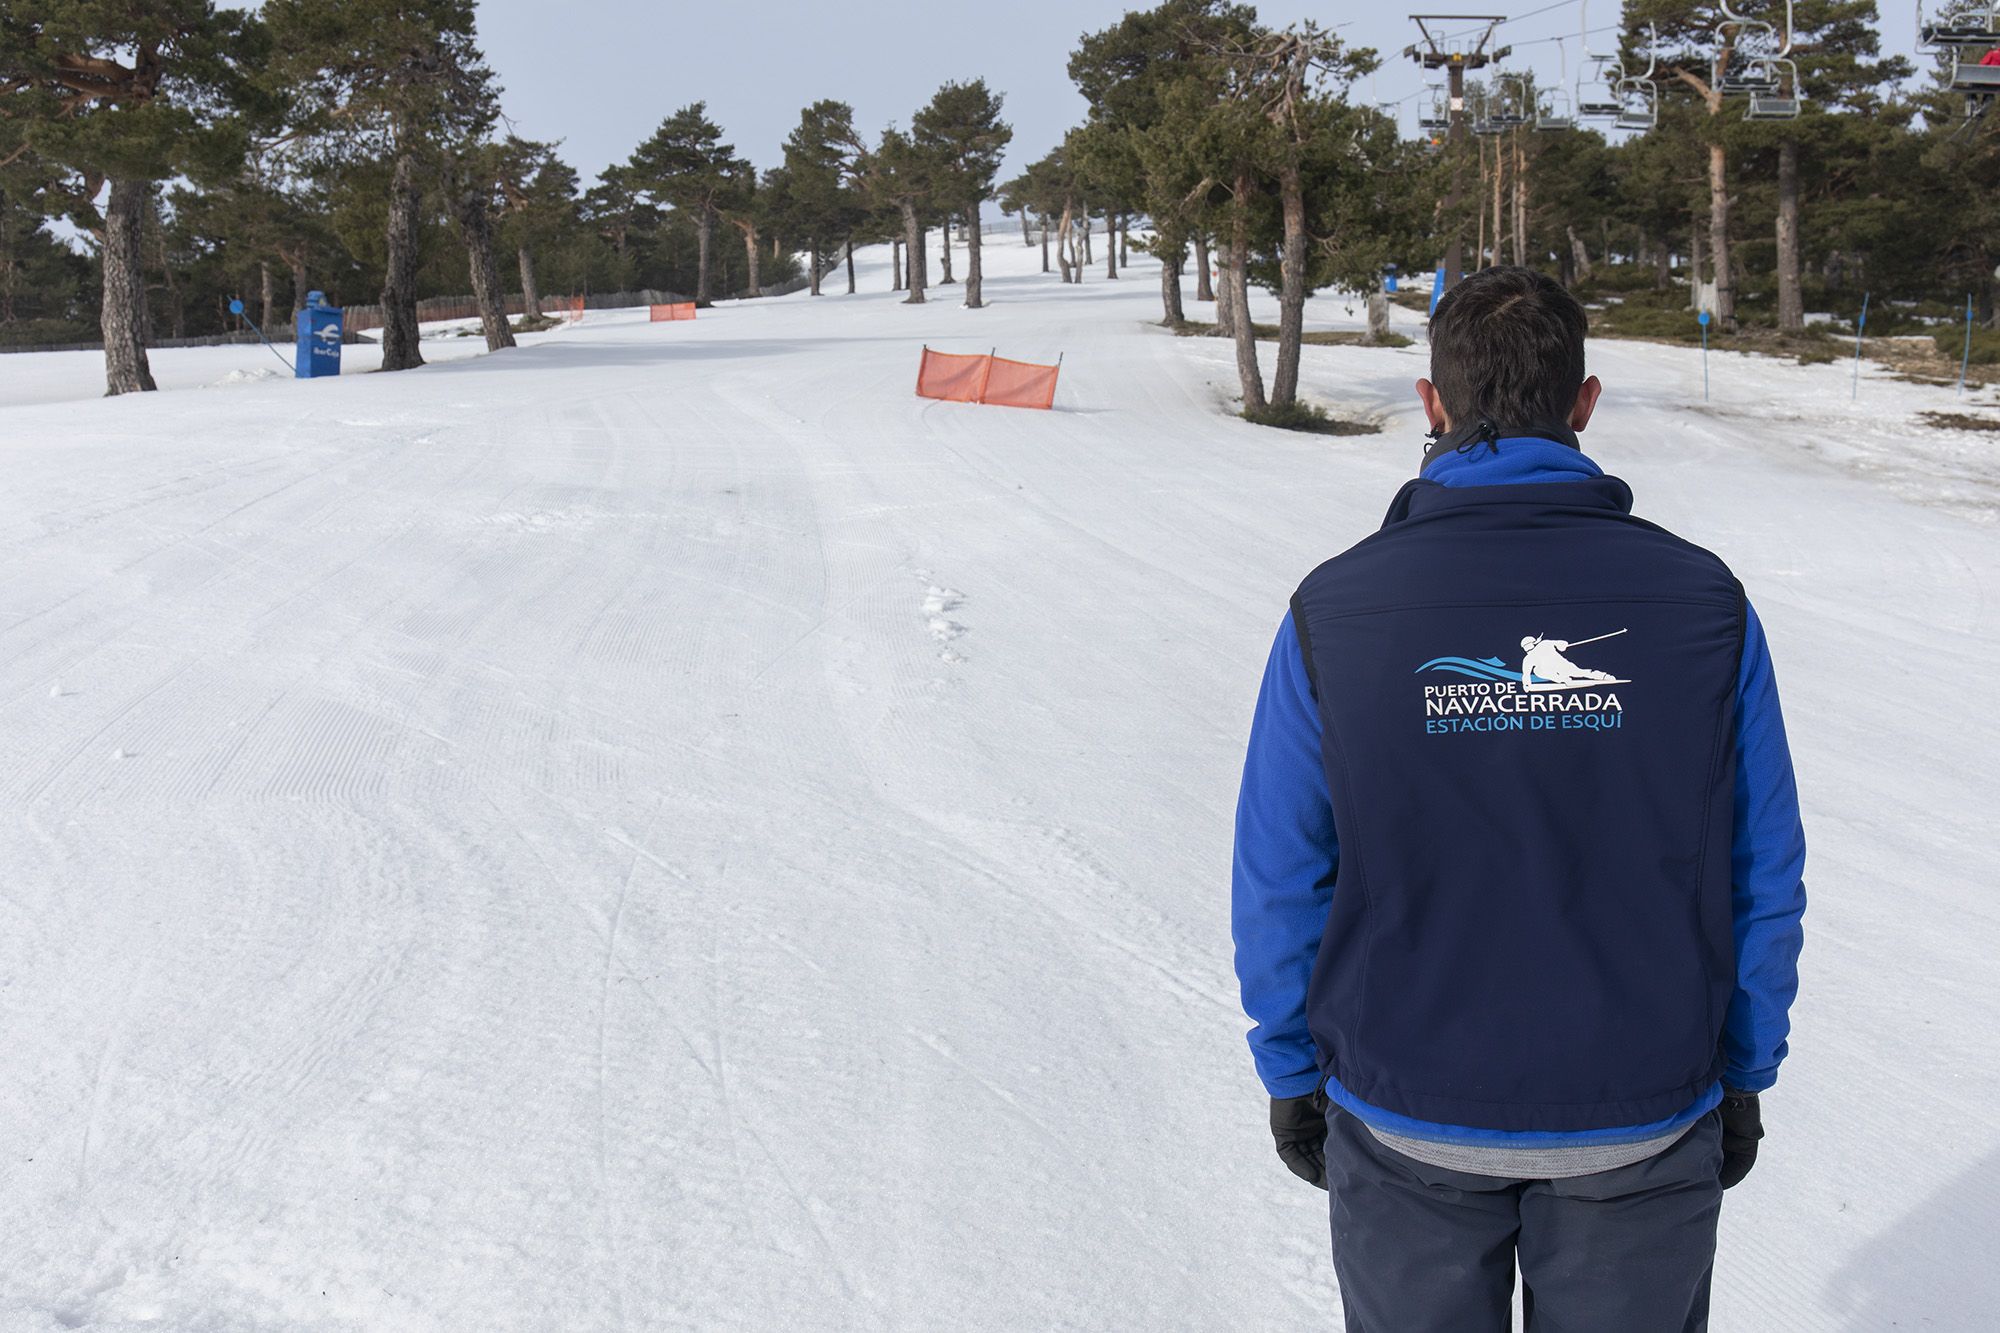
(1311, 418)
(1959, 421)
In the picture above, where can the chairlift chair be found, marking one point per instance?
(1748, 75)
(1960, 25)
(1747, 54)
(1781, 104)
(1638, 104)
(1597, 86)
(1434, 113)
(1552, 111)
(1969, 76)
(1597, 99)
(1507, 102)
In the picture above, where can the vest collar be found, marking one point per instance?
(1423, 496)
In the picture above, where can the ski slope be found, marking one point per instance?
(664, 829)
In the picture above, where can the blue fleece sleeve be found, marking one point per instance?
(1283, 879)
(1767, 868)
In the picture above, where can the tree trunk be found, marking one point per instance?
(1026, 240)
(812, 266)
(1718, 235)
(1125, 239)
(531, 295)
(1225, 290)
(1694, 267)
(475, 230)
(848, 244)
(704, 229)
(298, 268)
(1110, 245)
(1291, 288)
(1791, 303)
(400, 350)
(1579, 255)
(1062, 242)
(1045, 242)
(750, 257)
(895, 263)
(944, 259)
(1088, 256)
(1204, 290)
(1520, 203)
(1479, 247)
(913, 253)
(122, 316)
(972, 241)
(1170, 286)
(1249, 377)
(1378, 315)
(1499, 215)
(268, 281)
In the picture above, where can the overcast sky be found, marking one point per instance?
(601, 74)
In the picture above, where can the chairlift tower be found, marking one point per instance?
(1456, 43)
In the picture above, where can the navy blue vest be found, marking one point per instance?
(1527, 698)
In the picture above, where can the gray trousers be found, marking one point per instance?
(1419, 1248)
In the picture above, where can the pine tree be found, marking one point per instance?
(399, 81)
(124, 94)
(820, 166)
(539, 193)
(962, 132)
(686, 165)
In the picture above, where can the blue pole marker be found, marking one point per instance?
(236, 308)
(1702, 319)
(1965, 359)
(1437, 288)
(1859, 325)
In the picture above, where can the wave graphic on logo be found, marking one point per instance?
(1479, 668)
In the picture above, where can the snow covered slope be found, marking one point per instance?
(662, 828)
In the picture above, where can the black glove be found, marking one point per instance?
(1742, 1126)
(1299, 1126)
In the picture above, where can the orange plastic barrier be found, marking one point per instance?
(576, 310)
(957, 378)
(678, 310)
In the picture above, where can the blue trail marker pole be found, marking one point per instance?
(1702, 319)
(236, 308)
(1859, 325)
(1965, 358)
(1437, 289)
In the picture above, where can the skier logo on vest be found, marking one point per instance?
(1543, 666)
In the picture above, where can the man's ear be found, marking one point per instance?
(1586, 403)
(1427, 394)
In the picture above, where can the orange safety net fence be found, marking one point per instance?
(676, 310)
(995, 380)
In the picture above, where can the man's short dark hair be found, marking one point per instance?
(1507, 346)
